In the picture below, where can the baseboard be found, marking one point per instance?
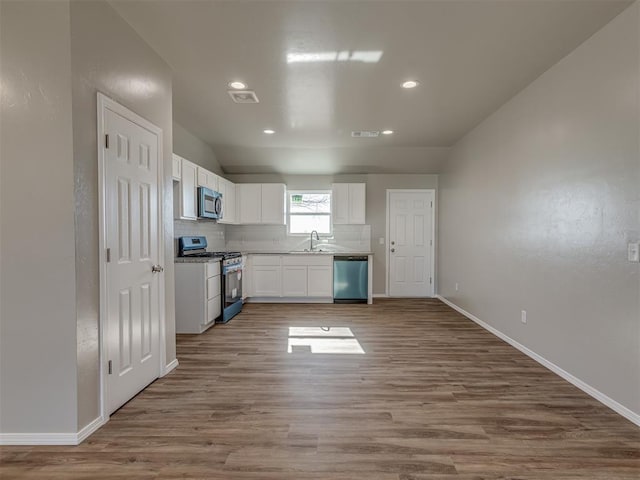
(51, 438)
(169, 367)
(309, 300)
(89, 429)
(380, 295)
(588, 389)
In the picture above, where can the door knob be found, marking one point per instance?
(393, 250)
(157, 269)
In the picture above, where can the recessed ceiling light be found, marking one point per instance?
(268, 131)
(237, 85)
(410, 84)
(387, 132)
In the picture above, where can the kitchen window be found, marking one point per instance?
(307, 211)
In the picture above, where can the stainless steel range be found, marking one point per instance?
(231, 270)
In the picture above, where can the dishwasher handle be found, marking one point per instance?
(357, 258)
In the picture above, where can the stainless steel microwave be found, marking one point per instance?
(209, 203)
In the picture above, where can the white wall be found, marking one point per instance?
(537, 205)
(188, 146)
(108, 56)
(37, 248)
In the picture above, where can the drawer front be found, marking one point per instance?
(214, 308)
(320, 260)
(213, 269)
(306, 260)
(265, 260)
(213, 287)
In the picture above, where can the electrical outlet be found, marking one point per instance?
(523, 316)
(633, 252)
(457, 287)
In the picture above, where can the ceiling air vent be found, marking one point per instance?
(243, 96)
(365, 134)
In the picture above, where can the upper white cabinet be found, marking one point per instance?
(261, 203)
(249, 197)
(228, 191)
(349, 203)
(273, 203)
(207, 179)
(176, 167)
(185, 204)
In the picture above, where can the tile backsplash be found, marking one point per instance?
(345, 238)
(274, 238)
(214, 232)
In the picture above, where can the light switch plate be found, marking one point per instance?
(633, 252)
(381, 240)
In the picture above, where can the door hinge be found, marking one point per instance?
(108, 255)
(110, 367)
(431, 242)
(430, 280)
(431, 204)
(106, 140)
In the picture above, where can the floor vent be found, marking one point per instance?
(365, 134)
(243, 96)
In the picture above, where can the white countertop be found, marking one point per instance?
(317, 252)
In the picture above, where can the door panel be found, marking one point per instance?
(132, 234)
(410, 240)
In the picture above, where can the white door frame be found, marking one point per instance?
(104, 104)
(433, 236)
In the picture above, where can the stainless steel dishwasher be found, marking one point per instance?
(350, 279)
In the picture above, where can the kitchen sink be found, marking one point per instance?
(306, 250)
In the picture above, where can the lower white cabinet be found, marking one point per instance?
(290, 276)
(266, 281)
(294, 281)
(198, 296)
(320, 281)
(266, 275)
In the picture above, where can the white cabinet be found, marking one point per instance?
(307, 277)
(207, 179)
(185, 205)
(176, 167)
(320, 281)
(249, 203)
(357, 203)
(247, 281)
(261, 203)
(266, 276)
(198, 296)
(266, 281)
(348, 203)
(340, 203)
(228, 191)
(294, 281)
(273, 203)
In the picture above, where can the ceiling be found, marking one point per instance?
(470, 57)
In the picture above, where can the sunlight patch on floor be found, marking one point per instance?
(338, 340)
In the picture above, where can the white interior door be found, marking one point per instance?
(131, 332)
(410, 243)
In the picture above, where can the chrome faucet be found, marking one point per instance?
(311, 240)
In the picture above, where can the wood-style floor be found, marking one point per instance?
(433, 397)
